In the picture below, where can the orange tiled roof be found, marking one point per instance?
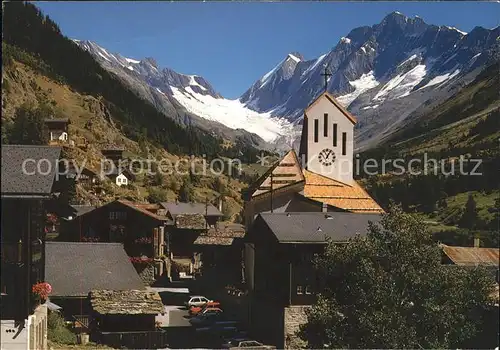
(350, 197)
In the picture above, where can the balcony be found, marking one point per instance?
(14, 253)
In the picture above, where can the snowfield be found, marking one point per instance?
(364, 83)
(232, 113)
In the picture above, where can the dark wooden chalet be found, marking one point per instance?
(58, 130)
(75, 268)
(219, 254)
(127, 319)
(113, 153)
(189, 220)
(279, 250)
(138, 227)
(24, 191)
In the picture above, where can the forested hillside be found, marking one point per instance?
(45, 75)
(27, 29)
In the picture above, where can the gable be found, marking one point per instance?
(332, 101)
(284, 173)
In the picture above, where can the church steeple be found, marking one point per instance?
(327, 142)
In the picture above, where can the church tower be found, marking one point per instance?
(327, 142)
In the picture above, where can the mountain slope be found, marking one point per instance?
(27, 28)
(190, 99)
(382, 73)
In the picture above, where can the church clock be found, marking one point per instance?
(326, 157)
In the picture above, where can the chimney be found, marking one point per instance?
(477, 241)
(324, 208)
(219, 203)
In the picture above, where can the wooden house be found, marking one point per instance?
(219, 254)
(121, 221)
(127, 318)
(24, 192)
(279, 250)
(75, 268)
(58, 130)
(188, 220)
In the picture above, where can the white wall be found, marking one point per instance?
(32, 336)
(342, 168)
(121, 180)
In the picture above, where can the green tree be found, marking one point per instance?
(29, 127)
(157, 195)
(470, 217)
(186, 192)
(390, 290)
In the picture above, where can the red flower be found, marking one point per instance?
(140, 260)
(42, 289)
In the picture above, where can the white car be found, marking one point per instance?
(197, 301)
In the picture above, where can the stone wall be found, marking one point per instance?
(294, 317)
(146, 273)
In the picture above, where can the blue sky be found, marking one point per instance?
(233, 44)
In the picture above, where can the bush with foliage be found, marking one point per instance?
(157, 195)
(57, 331)
(390, 290)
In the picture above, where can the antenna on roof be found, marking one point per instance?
(272, 191)
(206, 212)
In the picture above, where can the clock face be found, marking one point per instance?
(326, 157)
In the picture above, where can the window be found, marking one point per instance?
(325, 124)
(316, 127)
(117, 215)
(335, 135)
(300, 289)
(308, 289)
(344, 143)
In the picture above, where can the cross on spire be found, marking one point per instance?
(326, 74)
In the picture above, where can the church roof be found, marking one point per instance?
(349, 197)
(286, 172)
(332, 100)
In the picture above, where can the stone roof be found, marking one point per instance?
(83, 209)
(57, 120)
(190, 208)
(349, 197)
(223, 233)
(190, 221)
(75, 268)
(316, 227)
(28, 182)
(126, 302)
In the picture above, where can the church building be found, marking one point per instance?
(320, 178)
(291, 213)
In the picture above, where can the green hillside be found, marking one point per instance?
(466, 125)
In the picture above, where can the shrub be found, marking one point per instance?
(57, 331)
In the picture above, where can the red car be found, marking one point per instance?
(195, 310)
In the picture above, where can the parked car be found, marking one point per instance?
(209, 310)
(246, 343)
(206, 319)
(197, 301)
(194, 310)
